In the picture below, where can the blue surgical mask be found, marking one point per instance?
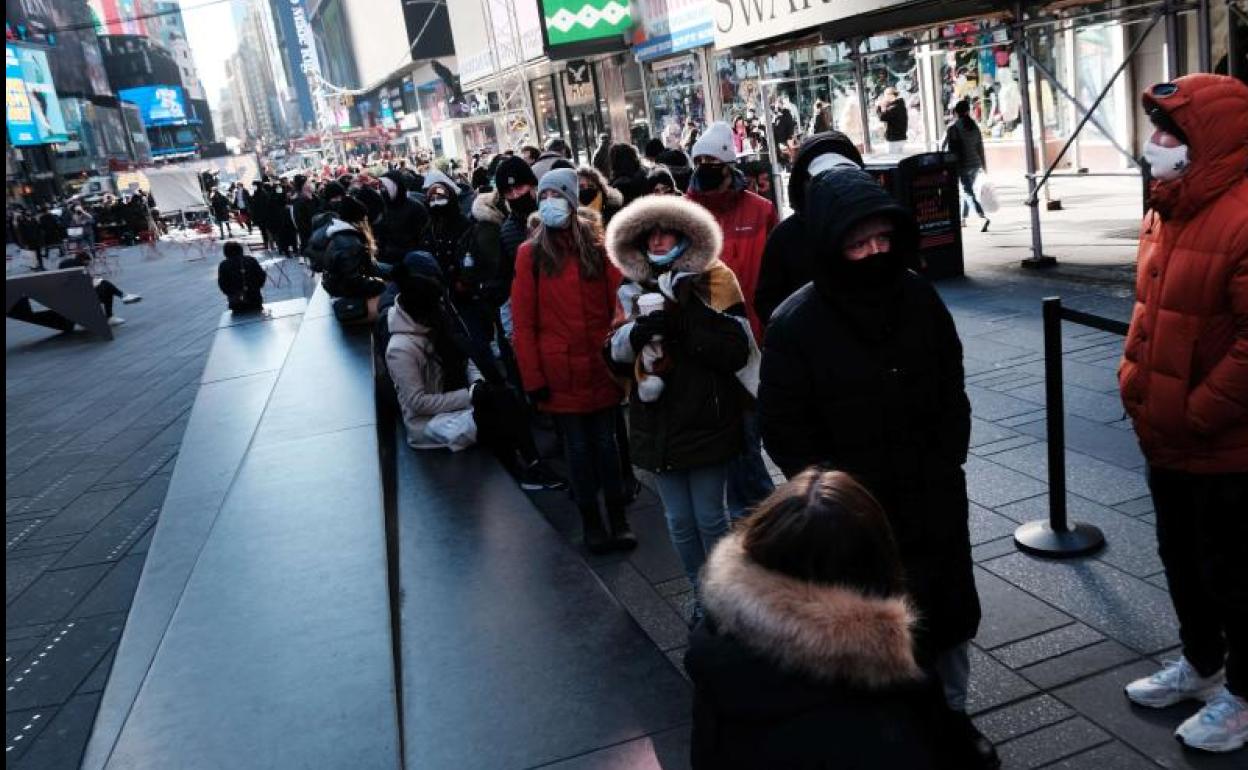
(554, 212)
(663, 260)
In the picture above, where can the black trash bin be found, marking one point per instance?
(928, 184)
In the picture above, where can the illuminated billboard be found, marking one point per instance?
(32, 109)
(159, 105)
(574, 28)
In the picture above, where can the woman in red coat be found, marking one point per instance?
(562, 299)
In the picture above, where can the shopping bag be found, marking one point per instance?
(986, 193)
(457, 430)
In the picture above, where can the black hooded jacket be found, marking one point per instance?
(786, 262)
(867, 378)
(402, 222)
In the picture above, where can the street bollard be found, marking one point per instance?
(1056, 538)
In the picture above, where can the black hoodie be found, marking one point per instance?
(402, 222)
(785, 267)
(867, 378)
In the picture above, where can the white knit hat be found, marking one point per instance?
(716, 142)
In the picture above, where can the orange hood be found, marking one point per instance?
(1212, 111)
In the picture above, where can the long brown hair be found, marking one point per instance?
(824, 527)
(585, 232)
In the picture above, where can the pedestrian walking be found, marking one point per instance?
(805, 658)
(746, 219)
(595, 193)
(682, 303)
(862, 372)
(1184, 382)
(562, 302)
(221, 212)
(964, 140)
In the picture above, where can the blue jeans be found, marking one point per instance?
(748, 479)
(967, 178)
(693, 502)
(593, 457)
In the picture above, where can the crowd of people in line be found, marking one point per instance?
(664, 318)
(74, 225)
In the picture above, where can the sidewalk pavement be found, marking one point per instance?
(93, 430)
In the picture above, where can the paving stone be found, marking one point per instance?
(114, 535)
(1077, 664)
(677, 657)
(84, 513)
(20, 730)
(1130, 544)
(98, 677)
(1149, 731)
(1130, 610)
(985, 432)
(53, 671)
(1046, 645)
(672, 587)
(1052, 743)
(1094, 439)
(656, 617)
(667, 750)
(986, 525)
(61, 742)
(993, 549)
(1137, 507)
(17, 532)
(115, 591)
(142, 463)
(1022, 419)
(1022, 717)
(993, 406)
(53, 594)
(1093, 405)
(992, 485)
(1086, 476)
(1102, 379)
(992, 684)
(1109, 756)
(1009, 613)
(987, 450)
(60, 492)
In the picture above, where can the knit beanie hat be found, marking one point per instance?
(716, 142)
(512, 172)
(563, 181)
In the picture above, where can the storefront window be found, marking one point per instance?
(982, 67)
(635, 104)
(677, 98)
(481, 137)
(889, 63)
(584, 120)
(546, 109)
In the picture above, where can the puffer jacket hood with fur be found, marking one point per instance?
(627, 233)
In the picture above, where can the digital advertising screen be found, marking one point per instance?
(158, 105)
(32, 109)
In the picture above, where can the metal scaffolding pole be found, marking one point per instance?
(1204, 37)
(1173, 67)
(1031, 199)
(1037, 258)
(859, 84)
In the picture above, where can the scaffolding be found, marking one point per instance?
(507, 51)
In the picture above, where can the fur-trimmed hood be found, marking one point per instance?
(629, 228)
(487, 207)
(831, 633)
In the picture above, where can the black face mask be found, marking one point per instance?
(709, 177)
(587, 196)
(523, 206)
(873, 272)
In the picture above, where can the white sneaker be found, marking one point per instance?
(1222, 725)
(116, 320)
(130, 299)
(1177, 681)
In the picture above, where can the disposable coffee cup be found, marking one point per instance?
(650, 303)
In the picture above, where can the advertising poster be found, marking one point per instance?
(33, 112)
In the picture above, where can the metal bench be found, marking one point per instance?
(69, 296)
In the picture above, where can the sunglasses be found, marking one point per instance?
(1162, 90)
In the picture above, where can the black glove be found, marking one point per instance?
(483, 392)
(646, 328)
(539, 395)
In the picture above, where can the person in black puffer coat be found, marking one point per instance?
(862, 372)
(786, 259)
(805, 659)
(677, 162)
(402, 220)
(444, 234)
(627, 175)
(342, 250)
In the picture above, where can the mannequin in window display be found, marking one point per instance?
(1009, 99)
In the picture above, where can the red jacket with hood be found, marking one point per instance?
(560, 322)
(1184, 372)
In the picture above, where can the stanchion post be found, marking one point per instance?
(1056, 537)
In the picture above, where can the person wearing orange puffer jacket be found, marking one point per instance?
(1184, 381)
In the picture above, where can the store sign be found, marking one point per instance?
(32, 109)
(584, 25)
(158, 105)
(664, 27)
(739, 22)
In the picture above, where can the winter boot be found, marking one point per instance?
(622, 537)
(596, 539)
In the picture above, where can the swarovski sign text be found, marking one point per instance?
(740, 22)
